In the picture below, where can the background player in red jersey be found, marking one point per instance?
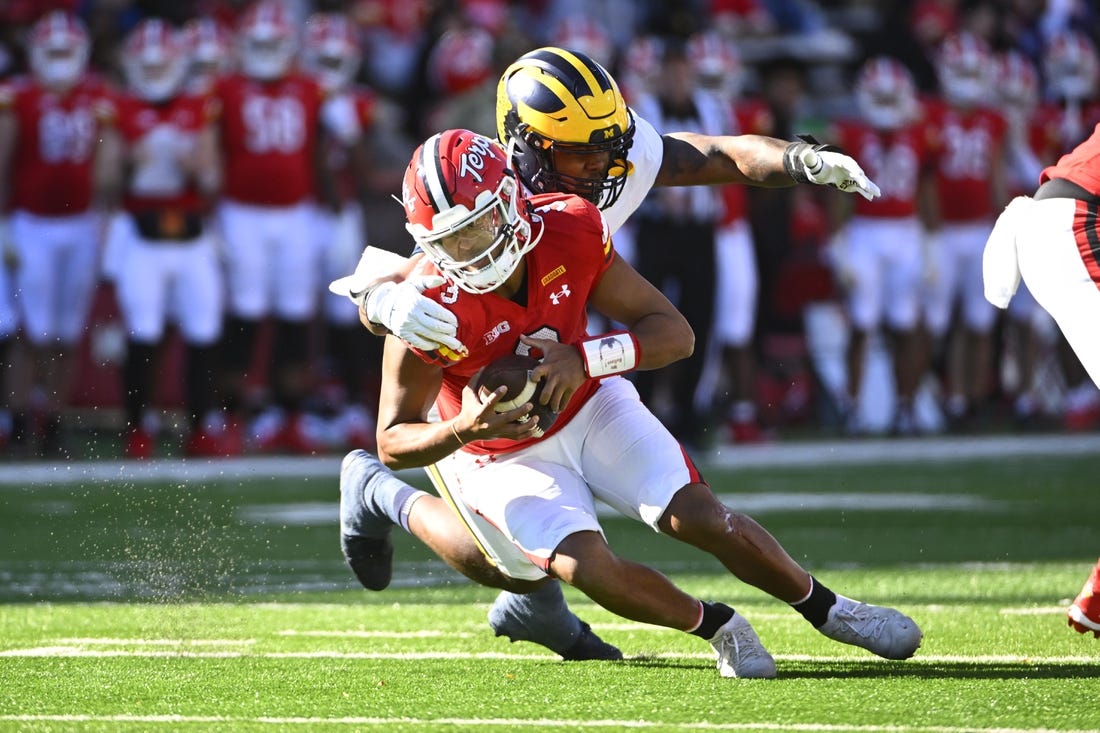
(969, 147)
(878, 248)
(159, 253)
(270, 116)
(50, 127)
(1071, 69)
(209, 47)
(737, 286)
(1052, 241)
(330, 53)
(521, 272)
(1030, 333)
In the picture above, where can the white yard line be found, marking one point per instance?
(75, 651)
(517, 723)
(817, 453)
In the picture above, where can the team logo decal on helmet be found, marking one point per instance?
(464, 208)
(557, 101)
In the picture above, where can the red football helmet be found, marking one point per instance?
(154, 60)
(330, 50)
(886, 94)
(266, 41)
(1070, 66)
(464, 208)
(641, 63)
(209, 49)
(461, 60)
(965, 69)
(1017, 81)
(716, 62)
(581, 33)
(59, 47)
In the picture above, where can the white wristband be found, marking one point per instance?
(611, 353)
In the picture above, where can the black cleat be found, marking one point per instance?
(370, 558)
(588, 646)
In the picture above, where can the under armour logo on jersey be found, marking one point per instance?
(555, 298)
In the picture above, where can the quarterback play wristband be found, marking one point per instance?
(611, 353)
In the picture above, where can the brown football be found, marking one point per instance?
(514, 372)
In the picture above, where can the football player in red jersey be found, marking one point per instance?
(159, 252)
(521, 272)
(50, 127)
(330, 53)
(552, 151)
(969, 139)
(1030, 332)
(1051, 240)
(269, 121)
(718, 66)
(210, 54)
(878, 247)
(1072, 71)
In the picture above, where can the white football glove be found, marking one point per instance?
(812, 162)
(418, 321)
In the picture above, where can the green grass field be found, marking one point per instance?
(222, 603)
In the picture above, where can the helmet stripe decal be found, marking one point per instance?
(570, 66)
(431, 174)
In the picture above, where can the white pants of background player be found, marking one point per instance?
(1047, 242)
(9, 321)
(737, 285)
(957, 276)
(161, 282)
(57, 275)
(884, 263)
(342, 239)
(271, 260)
(520, 506)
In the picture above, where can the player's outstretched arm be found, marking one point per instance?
(692, 159)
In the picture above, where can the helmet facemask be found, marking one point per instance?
(535, 157)
(60, 59)
(480, 249)
(553, 101)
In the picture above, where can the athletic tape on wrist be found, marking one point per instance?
(374, 291)
(612, 353)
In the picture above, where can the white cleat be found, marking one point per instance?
(740, 653)
(887, 632)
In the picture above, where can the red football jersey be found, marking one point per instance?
(750, 117)
(56, 138)
(1081, 165)
(268, 137)
(188, 114)
(965, 143)
(562, 270)
(893, 159)
(1051, 127)
(338, 161)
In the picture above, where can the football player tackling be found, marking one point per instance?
(530, 502)
(568, 129)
